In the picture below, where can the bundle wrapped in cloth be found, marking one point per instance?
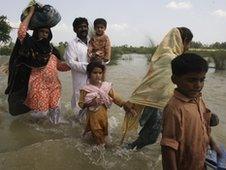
(214, 161)
(44, 16)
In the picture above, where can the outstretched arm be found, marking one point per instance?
(28, 18)
(129, 108)
(121, 103)
(24, 24)
(116, 98)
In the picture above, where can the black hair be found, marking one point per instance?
(93, 64)
(188, 63)
(186, 34)
(78, 21)
(101, 21)
(35, 34)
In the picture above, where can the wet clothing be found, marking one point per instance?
(155, 89)
(76, 57)
(186, 129)
(31, 65)
(98, 93)
(150, 122)
(44, 88)
(97, 120)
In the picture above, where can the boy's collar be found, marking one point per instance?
(184, 98)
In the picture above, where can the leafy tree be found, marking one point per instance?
(61, 47)
(5, 29)
(196, 44)
(218, 45)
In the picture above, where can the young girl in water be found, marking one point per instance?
(96, 97)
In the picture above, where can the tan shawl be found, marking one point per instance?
(156, 87)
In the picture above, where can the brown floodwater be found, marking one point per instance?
(28, 145)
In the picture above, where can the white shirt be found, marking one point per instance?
(76, 57)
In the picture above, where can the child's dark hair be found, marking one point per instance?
(188, 63)
(101, 21)
(186, 34)
(78, 21)
(93, 64)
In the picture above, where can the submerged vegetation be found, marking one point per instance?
(216, 56)
(118, 51)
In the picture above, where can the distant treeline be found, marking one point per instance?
(123, 49)
(218, 57)
(117, 51)
(216, 45)
(215, 50)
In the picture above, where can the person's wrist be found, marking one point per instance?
(32, 9)
(123, 104)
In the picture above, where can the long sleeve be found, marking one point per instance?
(108, 49)
(116, 99)
(72, 59)
(61, 66)
(22, 31)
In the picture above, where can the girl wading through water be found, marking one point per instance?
(95, 99)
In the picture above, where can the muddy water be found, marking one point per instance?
(26, 145)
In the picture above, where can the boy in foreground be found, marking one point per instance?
(186, 119)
